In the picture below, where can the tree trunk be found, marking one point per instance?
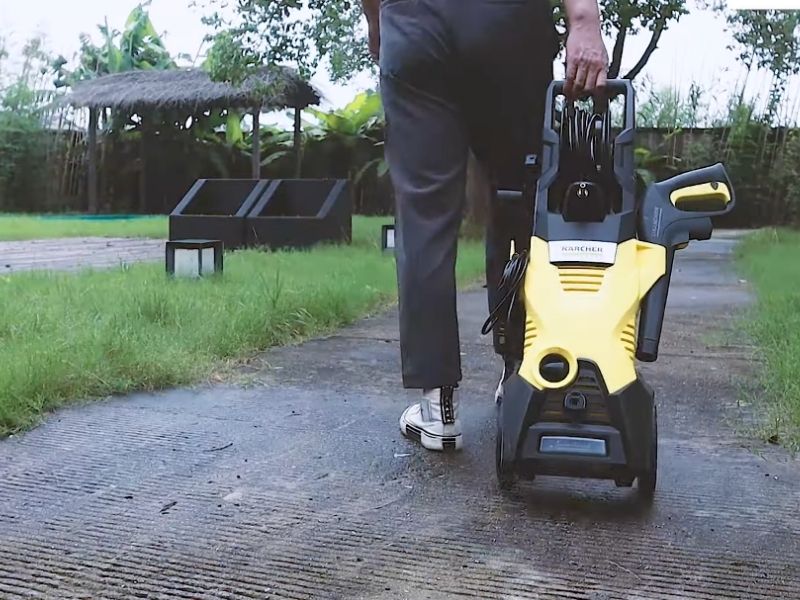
(616, 54)
(651, 47)
(256, 167)
(298, 143)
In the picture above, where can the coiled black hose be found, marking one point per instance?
(587, 150)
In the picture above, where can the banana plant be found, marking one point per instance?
(352, 121)
(137, 47)
(234, 134)
(278, 144)
(354, 133)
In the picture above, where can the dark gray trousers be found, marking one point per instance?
(456, 75)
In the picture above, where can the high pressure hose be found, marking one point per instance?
(587, 149)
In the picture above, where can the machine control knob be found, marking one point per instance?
(575, 402)
(554, 368)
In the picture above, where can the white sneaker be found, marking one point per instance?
(498, 393)
(509, 368)
(434, 422)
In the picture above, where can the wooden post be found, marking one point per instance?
(143, 147)
(102, 160)
(298, 143)
(257, 143)
(92, 183)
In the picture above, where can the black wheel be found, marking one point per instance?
(647, 480)
(506, 477)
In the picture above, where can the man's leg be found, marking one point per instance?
(509, 47)
(426, 148)
(427, 153)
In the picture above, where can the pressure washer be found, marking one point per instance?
(585, 300)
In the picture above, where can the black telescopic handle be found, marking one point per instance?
(613, 87)
(617, 86)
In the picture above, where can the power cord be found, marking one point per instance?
(508, 289)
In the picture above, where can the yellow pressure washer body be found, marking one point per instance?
(591, 298)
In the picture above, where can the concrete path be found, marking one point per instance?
(70, 254)
(295, 483)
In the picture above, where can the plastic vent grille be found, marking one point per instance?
(596, 405)
(628, 339)
(597, 410)
(585, 279)
(530, 333)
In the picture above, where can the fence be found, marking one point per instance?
(175, 163)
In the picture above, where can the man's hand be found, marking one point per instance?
(587, 58)
(372, 9)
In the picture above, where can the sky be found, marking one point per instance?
(692, 50)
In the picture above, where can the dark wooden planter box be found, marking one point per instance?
(216, 209)
(299, 213)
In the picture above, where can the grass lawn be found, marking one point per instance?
(67, 337)
(32, 227)
(771, 261)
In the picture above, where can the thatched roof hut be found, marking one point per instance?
(192, 89)
(144, 92)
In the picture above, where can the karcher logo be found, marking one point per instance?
(588, 249)
(577, 251)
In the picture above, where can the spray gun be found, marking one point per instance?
(673, 213)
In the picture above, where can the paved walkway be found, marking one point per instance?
(295, 483)
(71, 254)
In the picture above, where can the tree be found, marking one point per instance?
(26, 110)
(302, 33)
(138, 46)
(764, 39)
(309, 33)
(768, 39)
(621, 19)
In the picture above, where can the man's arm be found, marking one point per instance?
(587, 58)
(372, 10)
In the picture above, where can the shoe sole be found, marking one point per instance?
(432, 442)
